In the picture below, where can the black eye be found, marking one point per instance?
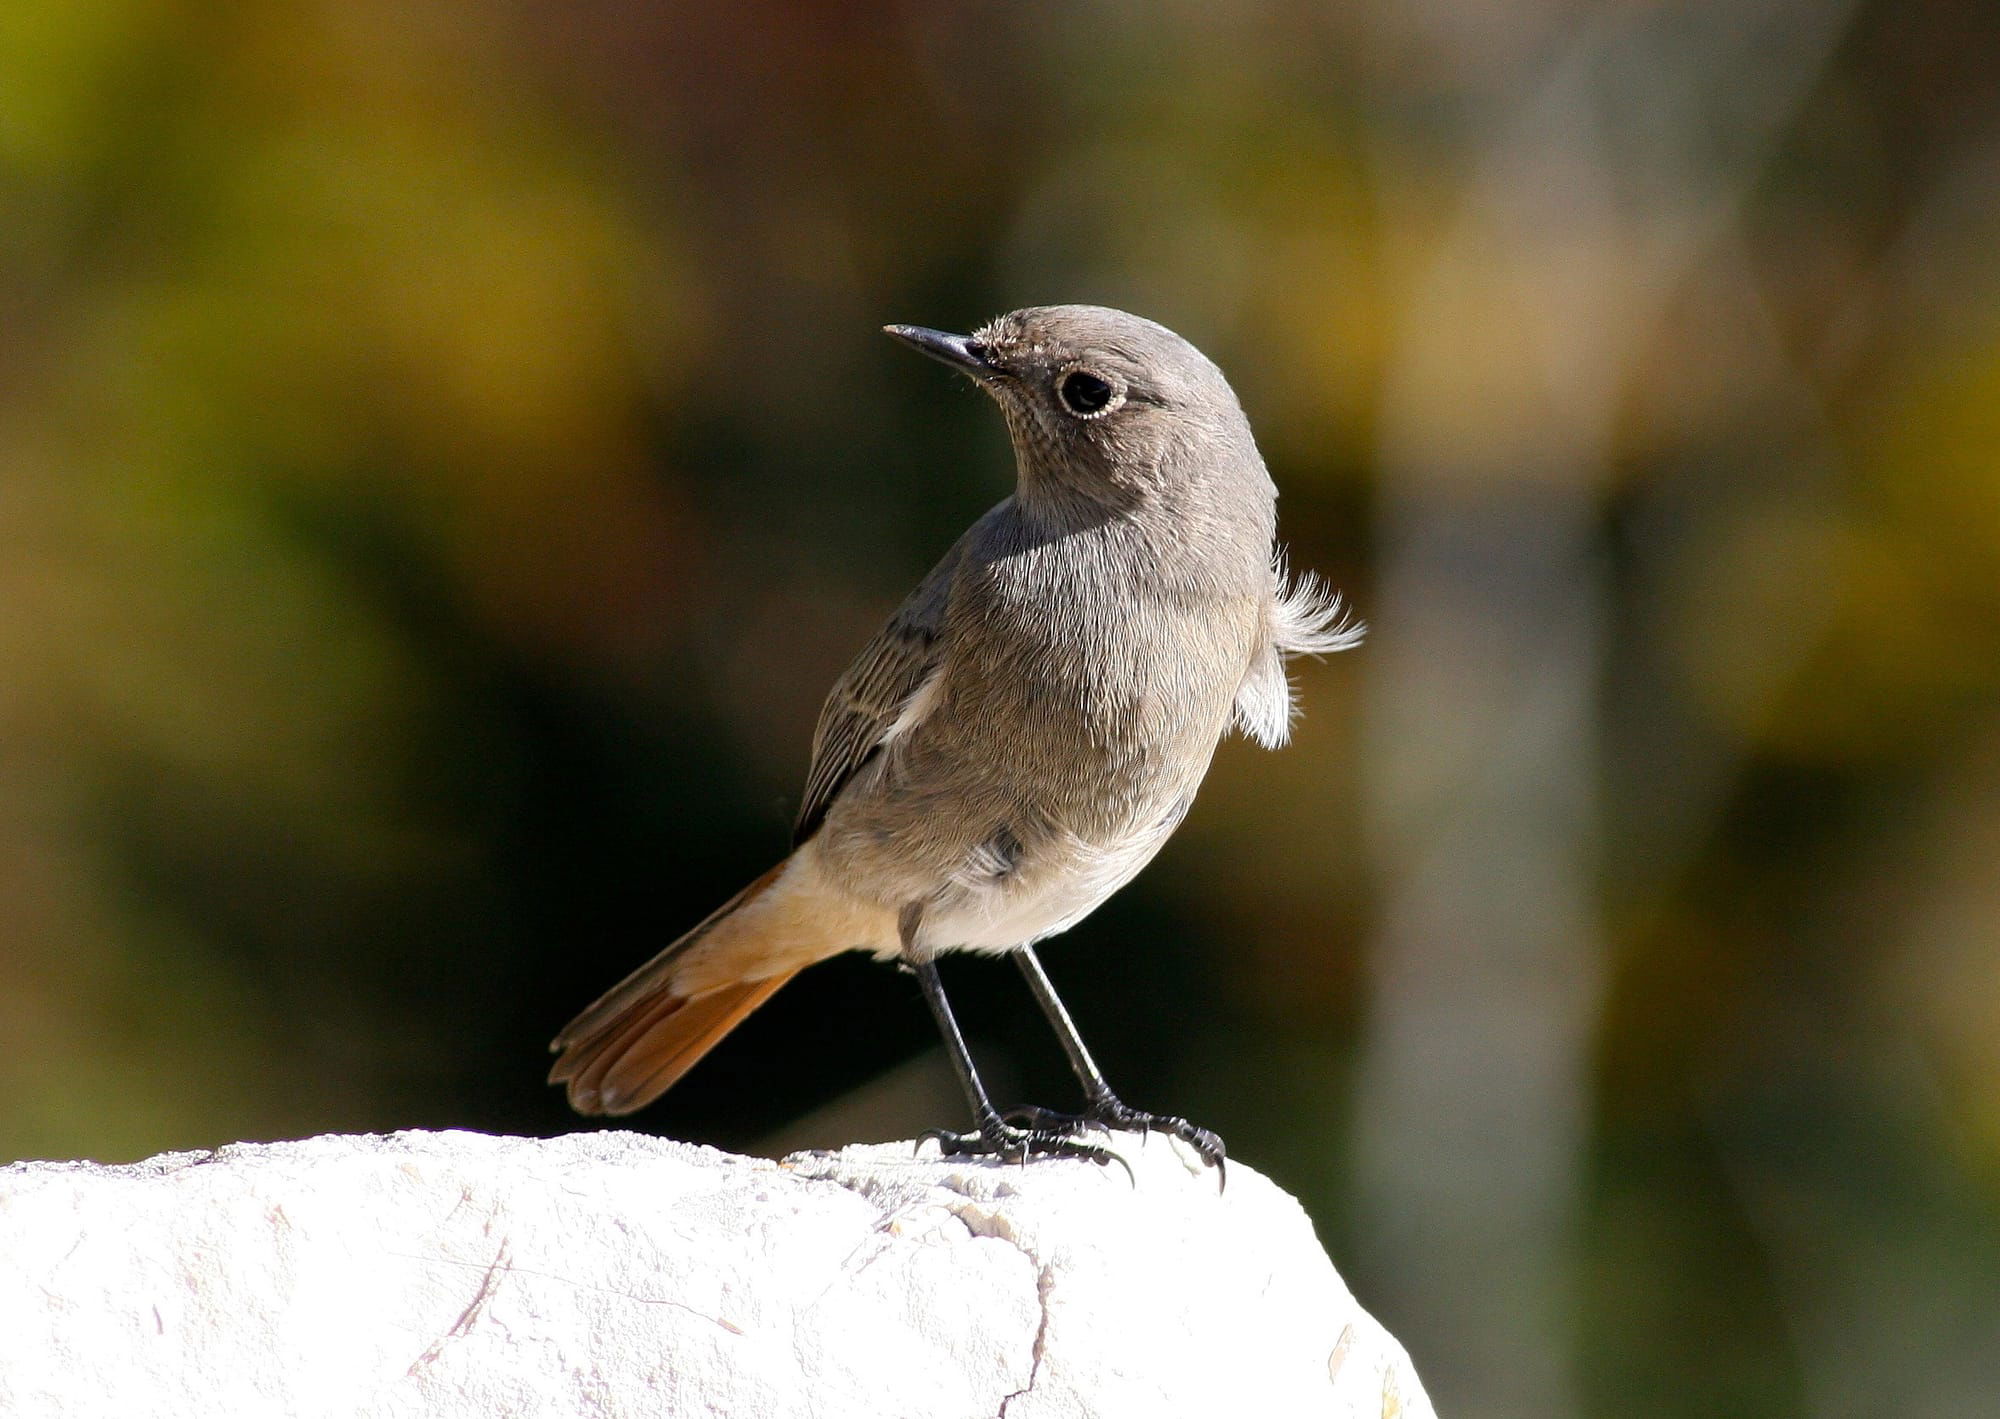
(1083, 392)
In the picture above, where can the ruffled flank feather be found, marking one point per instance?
(1309, 618)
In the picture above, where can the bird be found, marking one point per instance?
(1025, 732)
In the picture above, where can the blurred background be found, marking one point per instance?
(447, 451)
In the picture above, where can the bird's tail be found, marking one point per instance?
(644, 1033)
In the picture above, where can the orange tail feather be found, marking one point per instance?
(635, 1042)
(640, 1063)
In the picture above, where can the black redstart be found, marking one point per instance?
(1027, 729)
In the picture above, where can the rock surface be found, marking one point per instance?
(612, 1274)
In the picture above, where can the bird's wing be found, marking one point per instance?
(867, 705)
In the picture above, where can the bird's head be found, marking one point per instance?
(1103, 404)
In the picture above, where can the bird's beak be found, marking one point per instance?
(959, 351)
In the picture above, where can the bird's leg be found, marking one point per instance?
(1101, 1106)
(993, 1135)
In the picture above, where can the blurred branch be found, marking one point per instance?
(1600, 184)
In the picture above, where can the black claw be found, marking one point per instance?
(1000, 1139)
(1023, 1134)
(1041, 1120)
(1110, 1112)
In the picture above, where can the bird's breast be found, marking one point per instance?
(1089, 680)
(1077, 703)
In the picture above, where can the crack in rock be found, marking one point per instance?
(1045, 1281)
(980, 1219)
(467, 1318)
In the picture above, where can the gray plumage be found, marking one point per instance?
(1033, 722)
(1060, 680)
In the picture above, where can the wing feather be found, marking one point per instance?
(873, 701)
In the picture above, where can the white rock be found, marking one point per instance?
(612, 1274)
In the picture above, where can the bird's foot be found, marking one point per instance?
(1010, 1143)
(1110, 1112)
(1040, 1120)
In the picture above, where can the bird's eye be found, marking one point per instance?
(1083, 393)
